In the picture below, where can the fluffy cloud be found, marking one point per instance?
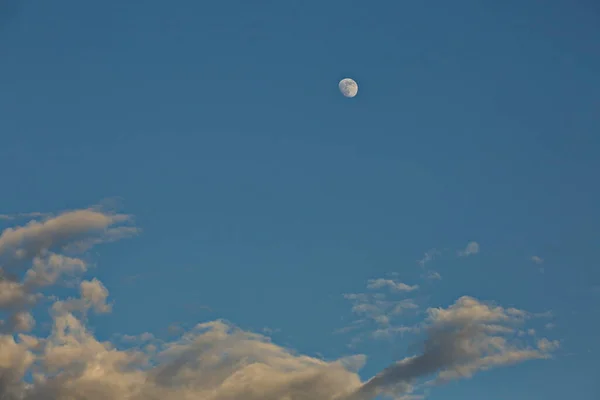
(93, 295)
(215, 360)
(20, 321)
(13, 295)
(36, 247)
(379, 309)
(46, 270)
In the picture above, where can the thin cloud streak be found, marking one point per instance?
(391, 284)
(33, 215)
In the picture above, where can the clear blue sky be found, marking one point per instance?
(265, 195)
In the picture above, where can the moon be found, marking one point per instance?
(348, 87)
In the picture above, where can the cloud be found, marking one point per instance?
(142, 338)
(76, 230)
(547, 345)
(433, 275)
(93, 295)
(20, 321)
(48, 269)
(35, 247)
(393, 285)
(428, 256)
(215, 360)
(459, 343)
(378, 308)
(11, 217)
(537, 259)
(354, 325)
(471, 249)
(13, 295)
(391, 331)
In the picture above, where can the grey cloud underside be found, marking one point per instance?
(215, 360)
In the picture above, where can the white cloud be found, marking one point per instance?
(70, 229)
(216, 360)
(213, 361)
(467, 309)
(391, 284)
(93, 295)
(537, 259)
(354, 325)
(471, 249)
(48, 269)
(142, 338)
(35, 247)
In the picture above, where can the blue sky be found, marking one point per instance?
(263, 196)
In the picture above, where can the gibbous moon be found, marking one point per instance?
(348, 87)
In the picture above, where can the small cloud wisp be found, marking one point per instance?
(471, 249)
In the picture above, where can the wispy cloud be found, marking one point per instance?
(376, 306)
(32, 215)
(354, 325)
(76, 230)
(433, 275)
(471, 249)
(537, 259)
(428, 257)
(391, 284)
